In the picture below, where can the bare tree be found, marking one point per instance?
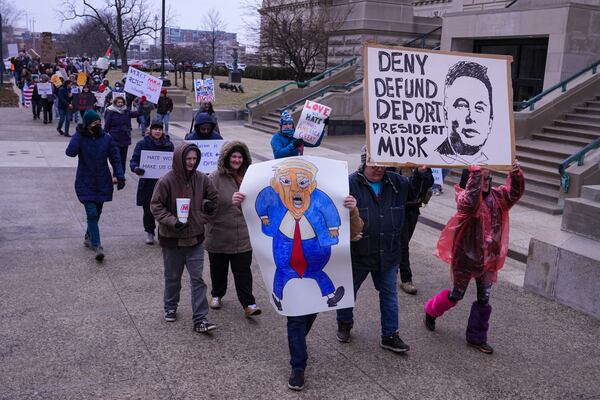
(295, 33)
(122, 20)
(10, 14)
(86, 37)
(179, 57)
(215, 26)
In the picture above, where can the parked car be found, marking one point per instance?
(197, 67)
(168, 65)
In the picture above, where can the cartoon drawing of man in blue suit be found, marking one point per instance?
(304, 224)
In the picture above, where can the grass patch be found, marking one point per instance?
(8, 98)
(225, 99)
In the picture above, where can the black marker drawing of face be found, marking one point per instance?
(468, 107)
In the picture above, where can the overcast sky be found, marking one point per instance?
(188, 14)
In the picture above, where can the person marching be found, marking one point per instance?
(204, 128)
(155, 141)
(283, 142)
(475, 244)
(183, 242)
(65, 108)
(117, 122)
(227, 238)
(93, 184)
(164, 109)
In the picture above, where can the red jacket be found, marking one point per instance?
(475, 240)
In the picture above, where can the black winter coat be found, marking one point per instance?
(383, 217)
(146, 186)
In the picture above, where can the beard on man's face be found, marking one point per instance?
(461, 147)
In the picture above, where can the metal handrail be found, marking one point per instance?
(511, 3)
(346, 86)
(579, 156)
(422, 37)
(521, 105)
(283, 87)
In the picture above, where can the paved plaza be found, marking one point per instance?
(72, 328)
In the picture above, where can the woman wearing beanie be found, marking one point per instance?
(93, 184)
(283, 142)
(155, 141)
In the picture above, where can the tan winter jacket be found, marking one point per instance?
(179, 183)
(227, 231)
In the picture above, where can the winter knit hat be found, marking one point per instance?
(163, 91)
(286, 118)
(89, 117)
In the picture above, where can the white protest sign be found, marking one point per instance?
(312, 122)
(425, 107)
(13, 50)
(302, 264)
(7, 65)
(140, 84)
(102, 63)
(438, 178)
(204, 90)
(210, 150)
(101, 97)
(44, 88)
(75, 90)
(116, 95)
(156, 163)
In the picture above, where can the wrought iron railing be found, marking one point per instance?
(579, 157)
(330, 88)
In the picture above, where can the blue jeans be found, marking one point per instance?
(93, 211)
(385, 282)
(64, 118)
(297, 328)
(165, 120)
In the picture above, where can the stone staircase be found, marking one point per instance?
(182, 111)
(582, 214)
(267, 123)
(541, 155)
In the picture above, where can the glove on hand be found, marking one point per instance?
(120, 185)
(139, 171)
(298, 142)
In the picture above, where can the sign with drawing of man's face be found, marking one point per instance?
(437, 108)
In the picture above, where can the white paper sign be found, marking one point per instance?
(204, 90)
(7, 65)
(116, 95)
(210, 150)
(44, 88)
(312, 122)
(156, 163)
(13, 50)
(425, 107)
(140, 84)
(438, 178)
(101, 97)
(302, 264)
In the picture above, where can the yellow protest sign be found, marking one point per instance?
(81, 79)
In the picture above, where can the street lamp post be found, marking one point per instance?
(1, 54)
(162, 43)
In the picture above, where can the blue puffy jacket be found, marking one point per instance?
(146, 186)
(118, 125)
(283, 145)
(94, 179)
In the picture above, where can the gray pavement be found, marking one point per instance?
(71, 328)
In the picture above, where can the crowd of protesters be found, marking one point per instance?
(383, 204)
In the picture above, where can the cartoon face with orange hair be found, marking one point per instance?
(295, 181)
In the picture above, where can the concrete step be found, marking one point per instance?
(274, 120)
(583, 117)
(182, 113)
(562, 139)
(591, 192)
(539, 158)
(582, 217)
(593, 103)
(587, 110)
(572, 132)
(545, 148)
(550, 171)
(595, 127)
(259, 128)
(266, 124)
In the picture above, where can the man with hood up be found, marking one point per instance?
(183, 242)
(204, 128)
(284, 144)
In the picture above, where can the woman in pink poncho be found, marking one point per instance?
(475, 243)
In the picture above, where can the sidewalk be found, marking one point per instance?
(71, 328)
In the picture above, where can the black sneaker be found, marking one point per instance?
(86, 241)
(60, 131)
(171, 315)
(394, 343)
(429, 322)
(483, 347)
(296, 381)
(204, 327)
(99, 253)
(343, 333)
(337, 296)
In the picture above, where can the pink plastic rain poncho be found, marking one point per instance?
(475, 239)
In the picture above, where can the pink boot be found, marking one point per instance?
(436, 307)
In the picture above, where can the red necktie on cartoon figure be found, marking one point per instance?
(297, 260)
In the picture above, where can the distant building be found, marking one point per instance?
(192, 37)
